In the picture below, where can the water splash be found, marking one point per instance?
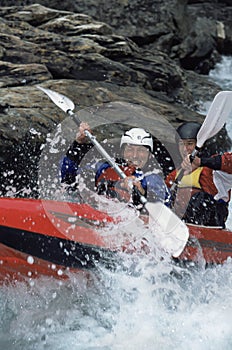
(154, 305)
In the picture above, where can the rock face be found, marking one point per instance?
(153, 53)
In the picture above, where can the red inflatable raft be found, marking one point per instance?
(45, 237)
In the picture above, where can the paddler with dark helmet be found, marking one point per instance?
(203, 194)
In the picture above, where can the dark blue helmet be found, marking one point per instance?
(188, 130)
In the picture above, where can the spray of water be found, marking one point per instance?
(146, 302)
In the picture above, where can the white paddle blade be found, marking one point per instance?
(216, 117)
(172, 233)
(60, 100)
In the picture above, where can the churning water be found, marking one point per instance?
(151, 305)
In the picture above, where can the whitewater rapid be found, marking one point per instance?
(155, 305)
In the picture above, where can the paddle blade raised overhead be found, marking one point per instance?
(63, 102)
(216, 117)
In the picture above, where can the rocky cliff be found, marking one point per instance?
(153, 53)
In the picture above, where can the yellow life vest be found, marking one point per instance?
(191, 180)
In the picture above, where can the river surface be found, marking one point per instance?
(154, 305)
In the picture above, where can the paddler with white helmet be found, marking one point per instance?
(136, 147)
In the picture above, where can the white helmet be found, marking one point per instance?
(137, 136)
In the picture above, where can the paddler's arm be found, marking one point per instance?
(77, 151)
(214, 163)
(80, 145)
(74, 155)
(217, 162)
(227, 162)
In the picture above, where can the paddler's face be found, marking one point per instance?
(186, 147)
(136, 155)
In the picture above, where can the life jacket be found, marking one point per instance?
(191, 180)
(108, 182)
(187, 187)
(110, 174)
